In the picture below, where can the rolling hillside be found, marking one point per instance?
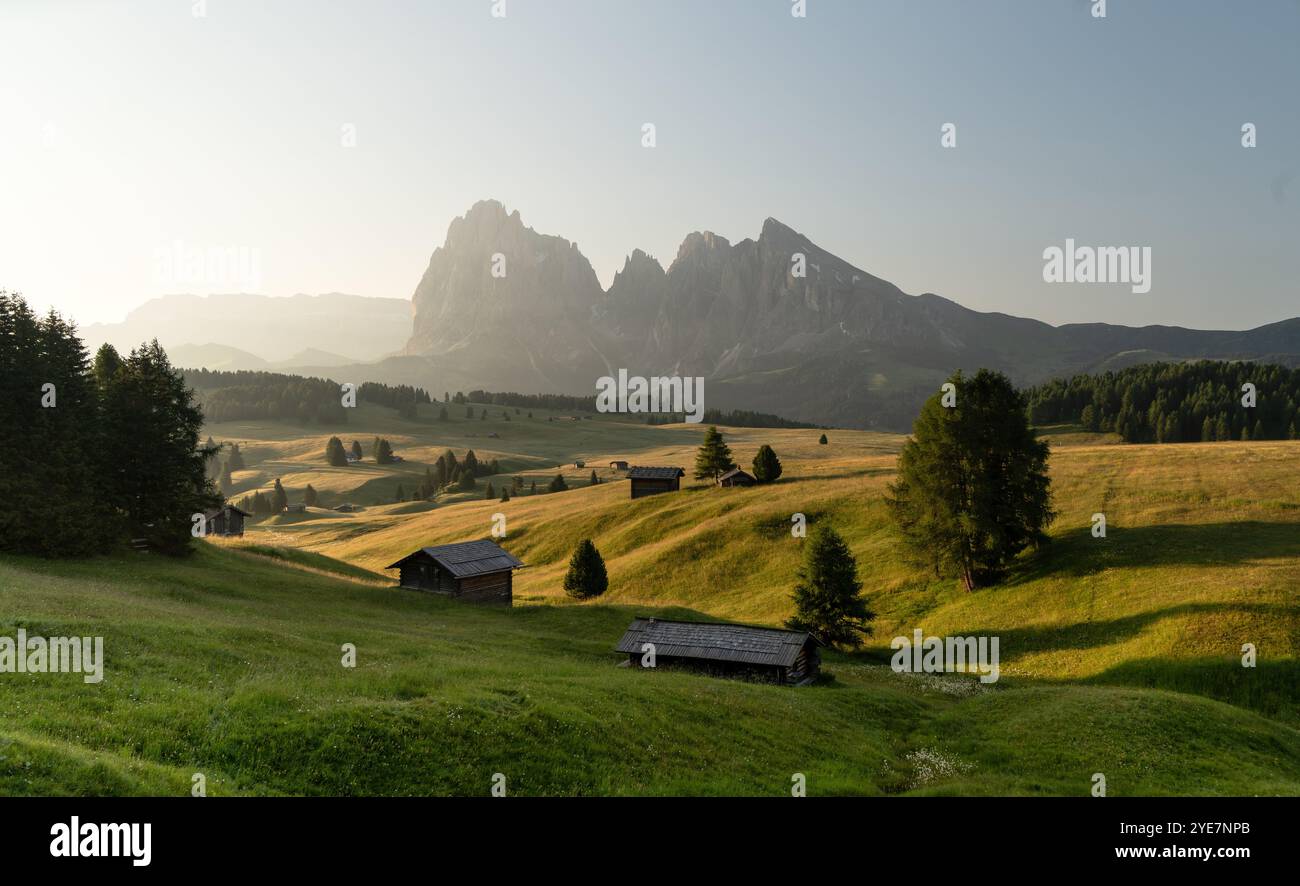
(1118, 656)
(1202, 553)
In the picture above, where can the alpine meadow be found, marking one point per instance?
(331, 467)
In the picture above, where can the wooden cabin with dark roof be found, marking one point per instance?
(653, 481)
(477, 571)
(770, 654)
(736, 477)
(226, 520)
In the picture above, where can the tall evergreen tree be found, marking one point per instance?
(828, 597)
(767, 467)
(714, 456)
(586, 577)
(279, 498)
(310, 497)
(152, 423)
(972, 489)
(335, 454)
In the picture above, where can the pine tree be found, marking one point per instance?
(334, 453)
(972, 489)
(586, 577)
(489, 493)
(466, 481)
(279, 499)
(1207, 430)
(594, 479)
(356, 450)
(383, 452)
(823, 441)
(713, 458)
(310, 497)
(152, 425)
(767, 467)
(505, 493)
(235, 460)
(828, 597)
(558, 484)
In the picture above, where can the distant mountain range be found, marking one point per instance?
(836, 346)
(244, 331)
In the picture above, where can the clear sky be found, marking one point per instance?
(129, 127)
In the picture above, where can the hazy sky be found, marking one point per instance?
(130, 127)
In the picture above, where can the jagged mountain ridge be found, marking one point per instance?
(838, 345)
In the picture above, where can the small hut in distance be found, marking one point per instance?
(226, 520)
(653, 481)
(736, 477)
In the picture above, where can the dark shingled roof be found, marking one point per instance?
(226, 507)
(735, 472)
(467, 558)
(716, 642)
(655, 473)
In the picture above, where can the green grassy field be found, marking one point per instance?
(1119, 655)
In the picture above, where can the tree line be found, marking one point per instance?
(1202, 401)
(94, 454)
(246, 394)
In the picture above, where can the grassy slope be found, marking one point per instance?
(228, 663)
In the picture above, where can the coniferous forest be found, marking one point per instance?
(105, 452)
(1177, 402)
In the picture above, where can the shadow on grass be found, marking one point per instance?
(1077, 553)
(1271, 688)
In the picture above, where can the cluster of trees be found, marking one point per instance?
(1177, 402)
(555, 402)
(221, 460)
(450, 474)
(93, 455)
(245, 395)
(403, 398)
(713, 459)
(744, 418)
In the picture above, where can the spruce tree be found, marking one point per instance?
(505, 493)
(279, 499)
(356, 450)
(310, 497)
(594, 479)
(586, 577)
(972, 489)
(714, 456)
(823, 441)
(558, 484)
(828, 597)
(334, 453)
(767, 467)
(489, 493)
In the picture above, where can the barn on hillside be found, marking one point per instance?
(770, 654)
(736, 477)
(226, 520)
(477, 571)
(652, 481)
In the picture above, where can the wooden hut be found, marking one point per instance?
(736, 477)
(226, 520)
(770, 654)
(618, 465)
(653, 481)
(477, 571)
